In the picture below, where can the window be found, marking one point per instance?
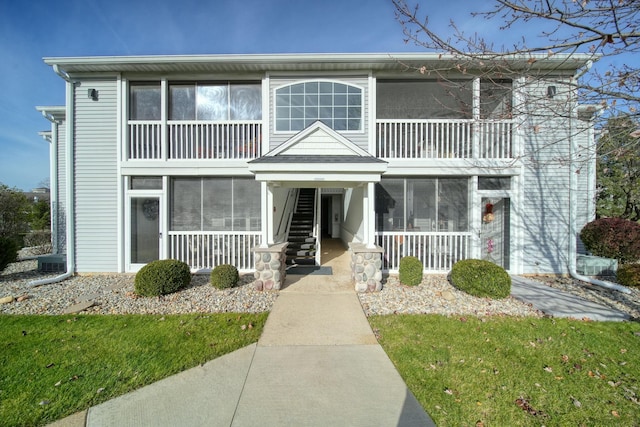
(146, 183)
(424, 99)
(215, 204)
(494, 183)
(215, 101)
(422, 204)
(145, 101)
(337, 105)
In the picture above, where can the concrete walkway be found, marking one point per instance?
(557, 303)
(317, 364)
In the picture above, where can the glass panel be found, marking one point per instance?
(212, 102)
(453, 204)
(495, 232)
(494, 183)
(421, 204)
(389, 204)
(246, 205)
(145, 102)
(315, 101)
(495, 99)
(186, 210)
(217, 204)
(145, 229)
(246, 102)
(182, 102)
(146, 183)
(422, 99)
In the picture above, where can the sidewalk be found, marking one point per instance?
(316, 364)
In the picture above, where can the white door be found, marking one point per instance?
(145, 233)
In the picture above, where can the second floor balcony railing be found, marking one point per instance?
(444, 138)
(193, 140)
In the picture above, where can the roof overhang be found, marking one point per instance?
(302, 161)
(261, 63)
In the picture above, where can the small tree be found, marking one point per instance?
(15, 210)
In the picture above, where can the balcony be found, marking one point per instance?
(193, 140)
(444, 139)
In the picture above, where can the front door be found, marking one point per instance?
(495, 232)
(145, 233)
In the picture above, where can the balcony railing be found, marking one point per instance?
(438, 251)
(192, 140)
(440, 139)
(203, 250)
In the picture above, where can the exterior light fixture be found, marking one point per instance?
(92, 94)
(551, 91)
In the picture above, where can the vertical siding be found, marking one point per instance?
(544, 215)
(361, 139)
(96, 177)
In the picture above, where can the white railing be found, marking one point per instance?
(145, 140)
(440, 139)
(194, 140)
(203, 250)
(437, 251)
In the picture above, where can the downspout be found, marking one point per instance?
(69, 175)
(572, 224)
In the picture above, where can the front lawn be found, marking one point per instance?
(502, 371)
(53, 366)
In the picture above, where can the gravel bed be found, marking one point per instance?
(435, 295)
(113, 294)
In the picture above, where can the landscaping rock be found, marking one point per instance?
(6, 300)
(77, 308)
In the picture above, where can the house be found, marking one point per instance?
(219, 158)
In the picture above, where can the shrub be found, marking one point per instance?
(628, 274)
(613, 238)
(39, 242)
(162, 277)
(410, 271)
(224, 276)
(8, 252)
(481, 278)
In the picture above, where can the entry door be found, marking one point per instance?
(495, 233)
(145, 233)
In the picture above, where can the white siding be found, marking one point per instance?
(544, 215)
(59, 210)
(96, 177)
(360, 138)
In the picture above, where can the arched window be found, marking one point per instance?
(337, 105)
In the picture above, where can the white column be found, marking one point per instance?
(369, 215)
(266, 199)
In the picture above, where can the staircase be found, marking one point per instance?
(302, 244)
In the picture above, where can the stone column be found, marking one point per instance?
(366, 267)
(271, 265)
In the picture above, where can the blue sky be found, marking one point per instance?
(31, 30)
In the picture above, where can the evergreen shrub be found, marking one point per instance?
(410, 271)
(628, 275)
(8, 252)
(481, 278)
(224, 276)
(615, 238)
(162, 277)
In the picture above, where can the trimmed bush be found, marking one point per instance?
(39, 242)
(628, 275)
(224, 276)
(615, 238)
(481, 278)
(162, 277)
(410, 271)
(8, 252)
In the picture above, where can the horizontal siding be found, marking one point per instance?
(60, 233)
(544, 216)
(96, 178)
(361, 139)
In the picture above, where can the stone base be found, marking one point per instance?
(271, 267)
(366, 267)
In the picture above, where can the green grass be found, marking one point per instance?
(54, 366)
(469, 370)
